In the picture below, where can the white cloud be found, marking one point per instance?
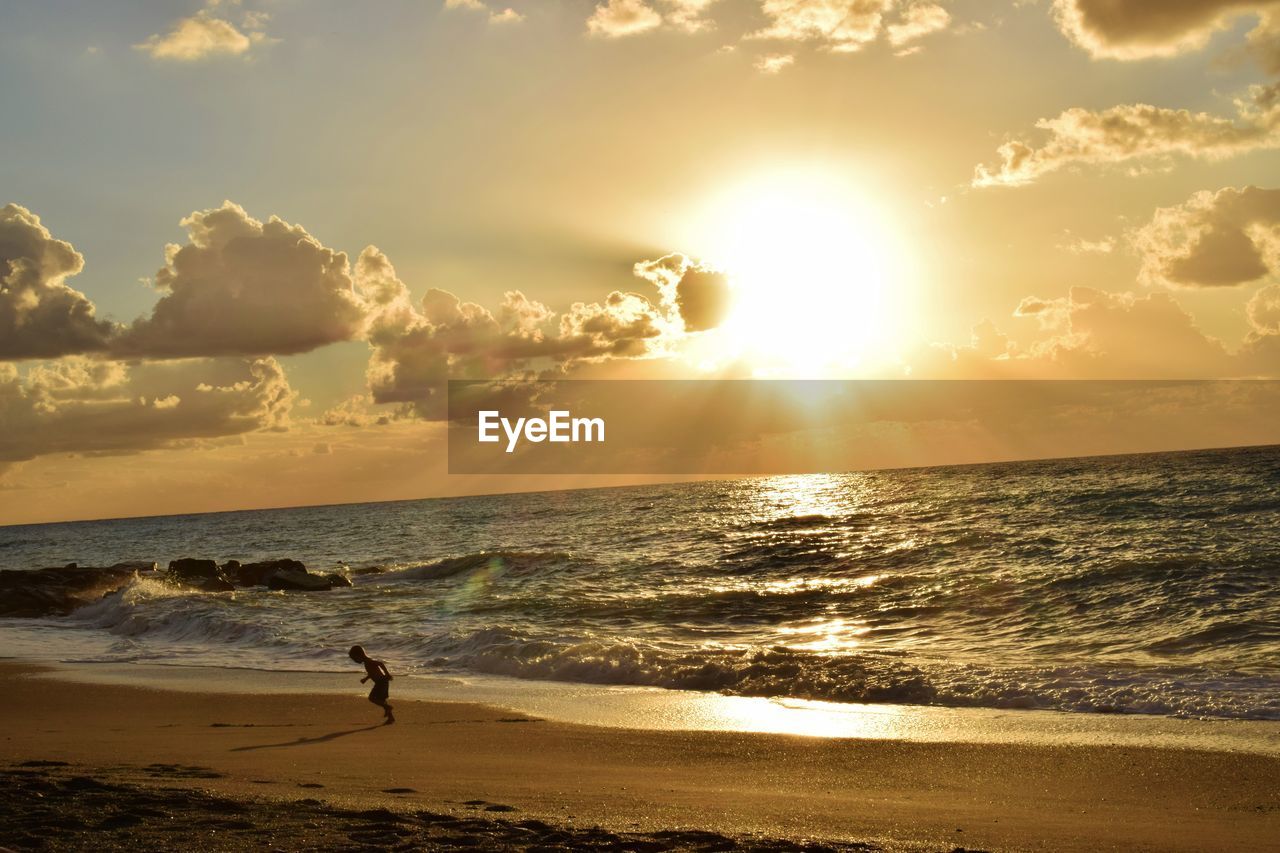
(206, 35)
(620, 18)
(840, 25)
(774, 63)
(918, 20)
(505, 15)
(1137, 134)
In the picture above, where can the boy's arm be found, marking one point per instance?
(382, 666)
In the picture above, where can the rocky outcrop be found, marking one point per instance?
(58, 591)
(298, 581)
(137, 566)
(337, 579)
(204, 575)
(258, 574)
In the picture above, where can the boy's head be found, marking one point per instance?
(357, 654)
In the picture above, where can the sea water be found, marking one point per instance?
(1139, 584)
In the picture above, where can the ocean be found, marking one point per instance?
(1138, 584)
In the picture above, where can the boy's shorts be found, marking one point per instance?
(378, 694)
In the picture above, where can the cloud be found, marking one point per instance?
(1081, 246)
(623, 325)
(416, 349)
(1214, 239)
(1134, 29)
(505, 15)
(1126, 335)
(1095, 334)
(696, 293)
(842, 26)
(1264, 310)
(1137, 134)
(619, 18)
(846, 26)
(243, 287)
(774, 63)
(355, 411)
(40, 316)
(1264, 42)
(918, 20)
(78, 405)
(689, 15)
(206, 35)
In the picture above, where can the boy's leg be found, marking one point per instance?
(378, 696)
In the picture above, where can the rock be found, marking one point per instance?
(189, 569)
(336, 579)
(256, 574)
(57, 591)
(203, 575)
(137, 566)
(298, 581)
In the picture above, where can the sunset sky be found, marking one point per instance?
(247, 243)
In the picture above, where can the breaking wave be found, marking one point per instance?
(1146, 584)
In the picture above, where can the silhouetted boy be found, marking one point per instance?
(377, 670)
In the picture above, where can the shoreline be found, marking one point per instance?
(442, 755)
(662, 709)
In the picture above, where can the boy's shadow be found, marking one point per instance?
(304, 741)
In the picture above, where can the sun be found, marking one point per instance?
(814, 272)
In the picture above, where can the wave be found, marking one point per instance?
(870, 679)
(503, 562)
(151, 619)
(1142, 585)
(149, 607)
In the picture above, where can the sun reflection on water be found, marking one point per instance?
(825, 635)
(797, 717)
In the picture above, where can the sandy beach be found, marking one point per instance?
(101, 765)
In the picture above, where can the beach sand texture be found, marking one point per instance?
(150, 768)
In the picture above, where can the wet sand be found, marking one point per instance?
(295, 771)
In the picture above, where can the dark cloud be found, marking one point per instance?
(1214, 239)
(1141, 29)
(416, 350)
(78, 405)
(40, 316)
(243, 287)
(698, 294)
